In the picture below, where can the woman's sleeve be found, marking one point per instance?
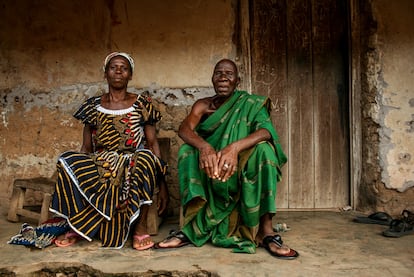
(151, 115)
(87, 112)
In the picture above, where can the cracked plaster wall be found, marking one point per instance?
(51, 57)
(387, 106)
(396, 93)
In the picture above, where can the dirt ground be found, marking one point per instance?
(329, 243)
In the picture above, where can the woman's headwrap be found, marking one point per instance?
(122, 54)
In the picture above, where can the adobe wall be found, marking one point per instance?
(51, 57)
(51, 54)
(388, 106)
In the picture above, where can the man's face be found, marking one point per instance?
(225, 78)
(118, 72)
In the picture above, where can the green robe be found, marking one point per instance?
(228, 213)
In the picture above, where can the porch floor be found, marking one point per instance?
(329, 243)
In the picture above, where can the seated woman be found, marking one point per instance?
(105, 189)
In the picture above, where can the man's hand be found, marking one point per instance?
(227, 162)
(209, 162)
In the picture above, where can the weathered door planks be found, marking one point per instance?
(270, 75)
(299, 59)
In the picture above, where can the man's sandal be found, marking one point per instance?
(277, 239)
(184, 241)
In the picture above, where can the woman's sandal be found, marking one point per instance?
(277, 239)
(184, 241)
(67, 239)
(139, 239)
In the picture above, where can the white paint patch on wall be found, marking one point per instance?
(4, 118)
(68, 98)
(397, 112)
(177, 97)
(399, 173)
(43, 165)
(66, 123)
(59, 147)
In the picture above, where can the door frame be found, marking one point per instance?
(242, 18)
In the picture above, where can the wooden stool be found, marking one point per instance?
(47, 186)
(41, 184)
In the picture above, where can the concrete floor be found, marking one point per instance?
(330, 244)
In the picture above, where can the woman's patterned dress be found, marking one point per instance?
(100, 194)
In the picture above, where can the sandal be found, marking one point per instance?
(184, 241)
(408, 216)
(398, 228)
(277, 239)
(375, 218)
(140, 240)
(67, 239)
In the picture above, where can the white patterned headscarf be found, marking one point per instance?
(122, 54)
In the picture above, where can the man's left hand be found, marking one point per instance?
(228, 162)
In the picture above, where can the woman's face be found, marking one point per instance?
(118, 72)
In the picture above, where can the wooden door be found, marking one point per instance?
(299, 58)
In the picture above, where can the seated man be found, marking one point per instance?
(228, 170)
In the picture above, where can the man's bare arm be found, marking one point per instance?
(208, 156)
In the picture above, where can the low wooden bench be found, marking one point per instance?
(46, 187)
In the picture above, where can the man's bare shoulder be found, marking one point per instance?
(203, 105)
(203, 102)
(206, 100)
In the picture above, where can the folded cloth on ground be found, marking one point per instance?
(42, 235)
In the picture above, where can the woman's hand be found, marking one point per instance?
(87, 145)
(163, 198)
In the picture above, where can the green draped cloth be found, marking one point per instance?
(228, 213)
